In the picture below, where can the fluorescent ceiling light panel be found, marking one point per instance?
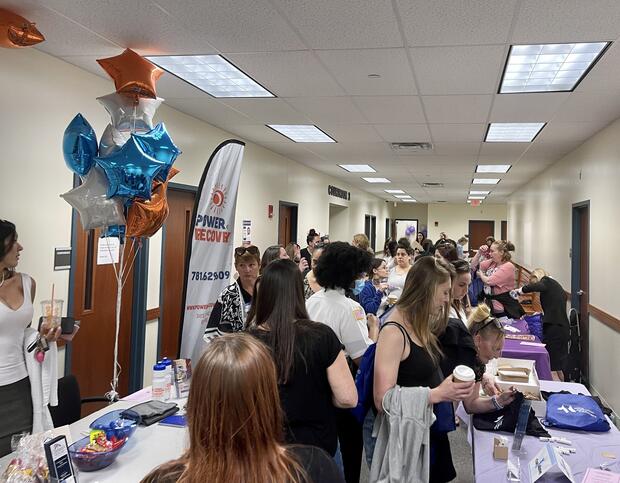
(485, 181)
(212, 74)
(402, 196)
(549, 67)
(358, 168)
(409, 200)
(513, 132)
(302, 133)
(493, 168)
(377, 180)
(395, 192)
(472, 192)
(476, 197)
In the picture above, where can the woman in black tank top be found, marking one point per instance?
(408, 353)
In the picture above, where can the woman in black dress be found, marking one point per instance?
(556, 331)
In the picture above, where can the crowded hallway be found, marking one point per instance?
(309, 242)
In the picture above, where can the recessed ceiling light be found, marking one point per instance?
(513, 132)
(302, 133)
(394, 192)
(549, 67)
(472, 192)
(357, 168)
(485, 181)
(374, 76)
(377, 180)
(493, 168)
(402, 197)
(212, 74)
(476, 197)
(409, 200)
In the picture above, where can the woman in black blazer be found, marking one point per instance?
(556, 329)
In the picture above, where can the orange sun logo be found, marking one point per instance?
(218, 199)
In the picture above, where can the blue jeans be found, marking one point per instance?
(369, 441)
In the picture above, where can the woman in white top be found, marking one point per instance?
(396, 279)
(17, 292)
(460, 307)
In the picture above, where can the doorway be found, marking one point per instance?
(287, 223)
(370, 229)
(479, 230)
(504, 231)
(339, 223)
(388, 229)
(175, 232)
(580, 279)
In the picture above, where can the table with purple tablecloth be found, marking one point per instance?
(514, 349)
(590, 447)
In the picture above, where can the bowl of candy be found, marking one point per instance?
(96, 451)
(117, 424)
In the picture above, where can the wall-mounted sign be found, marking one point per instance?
(338, 193)
(246, 232)
(62, 259)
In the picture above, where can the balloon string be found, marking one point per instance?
(135, 255)
(112, 395)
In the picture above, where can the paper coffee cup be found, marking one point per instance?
(392, 299)
(463, 374)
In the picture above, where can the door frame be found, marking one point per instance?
(294, 218)
(576, 250)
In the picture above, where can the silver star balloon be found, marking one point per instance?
(95, 208)
(112, 140)
(130, 113)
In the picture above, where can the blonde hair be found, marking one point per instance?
(361, 241)
(482, 322)
(537, 275)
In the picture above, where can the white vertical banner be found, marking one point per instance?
(209, 254)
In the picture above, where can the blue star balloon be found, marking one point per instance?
(130, 171)
(158, 144)
(117, 231)
(79, 145)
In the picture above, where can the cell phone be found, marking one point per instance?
(176, 420)
(66, 325)
(58, 460)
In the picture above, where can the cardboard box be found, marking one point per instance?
(531, 387)
(500, 449)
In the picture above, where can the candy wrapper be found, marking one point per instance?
(29, 464)
(99, 442)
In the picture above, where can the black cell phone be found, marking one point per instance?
(66, 325)
(58, 460)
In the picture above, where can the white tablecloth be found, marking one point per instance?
(148, 447)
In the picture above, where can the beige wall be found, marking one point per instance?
(411, 211)
(39, 95)
(453, 218)
(539, 223)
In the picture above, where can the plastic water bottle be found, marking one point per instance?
(171, 387)
(160, 390)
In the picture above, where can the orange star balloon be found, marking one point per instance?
(132, 73)
(144, 218)
(16, 31)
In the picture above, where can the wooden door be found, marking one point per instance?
(504, 230)
(478, 232)
(580, 281)
(94, 305)
(175, 232)
(285, 223)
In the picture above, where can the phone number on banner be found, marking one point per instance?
(211, 275)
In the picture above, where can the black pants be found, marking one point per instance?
(15, 412)
(351, 444)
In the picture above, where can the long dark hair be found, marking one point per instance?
(8, 237)
(461, 267)
(269, 255)
(277, 303)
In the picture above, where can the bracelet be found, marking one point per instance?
(496, 403)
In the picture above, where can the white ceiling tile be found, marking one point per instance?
(288, 74)
(238, 26)
(391, 109)
(456, 148)
(457, 109)
(553, 149)
(538, 107)
(352, 133)
(588, 107)
(328, 109)
(352, 67)
(569, 131)
(395, 133)
(446, 22)
(255, 133)
(561, 21)
(605, 75)
(209, 110)
(453, 133)
(458, 70)
(343, 24)
(360, 153)
(267, 111)
(296, 151)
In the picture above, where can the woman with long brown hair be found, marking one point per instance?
(235, 423)
(408, 352)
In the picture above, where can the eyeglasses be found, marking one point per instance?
(489, 321)
(240, 251)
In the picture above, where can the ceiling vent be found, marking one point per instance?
(411, 148)
(432, 185)
(441, 201)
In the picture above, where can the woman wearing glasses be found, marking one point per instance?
(230, 311)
